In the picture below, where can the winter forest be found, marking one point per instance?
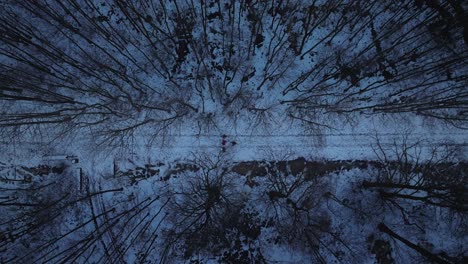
(233, 131)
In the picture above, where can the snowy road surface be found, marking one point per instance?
(330, 146)
(334, 146)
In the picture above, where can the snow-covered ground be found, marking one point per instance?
(347, 214)
(283, 141)
(159, 100)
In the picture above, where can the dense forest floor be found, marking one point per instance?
(210, 209)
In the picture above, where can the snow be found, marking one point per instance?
(354, 212)
(347, 143)
(141, 167)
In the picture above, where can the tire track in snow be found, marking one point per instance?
(330, 146)
(257, 146)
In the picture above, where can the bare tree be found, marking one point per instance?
(206, 210)
(144, 67)
(293, 202)
(437, 181)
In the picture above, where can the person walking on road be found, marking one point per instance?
(225, 143)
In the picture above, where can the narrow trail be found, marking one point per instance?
(328, 146)
(332, 146)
